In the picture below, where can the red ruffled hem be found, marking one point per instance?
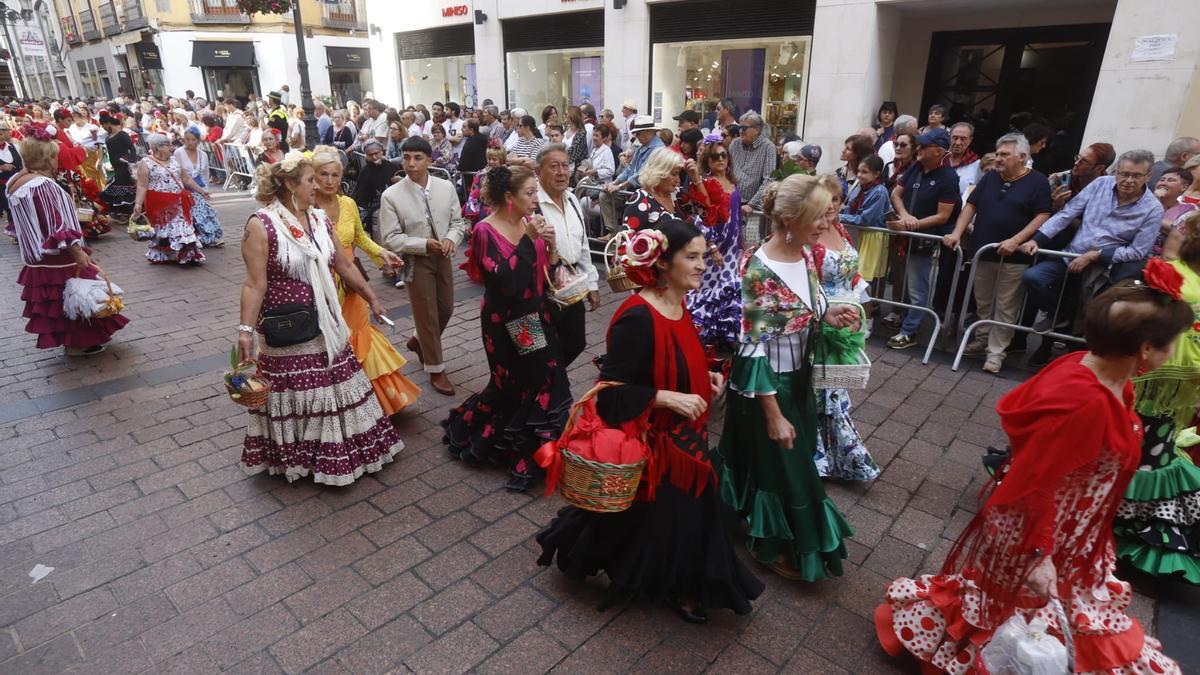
(42, 293)
(1108, 651)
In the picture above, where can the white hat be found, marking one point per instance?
(630, 103)
(518, 112)
(643, 123)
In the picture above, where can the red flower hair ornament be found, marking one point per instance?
(1162, 277)
(638, 253)
(39, 131)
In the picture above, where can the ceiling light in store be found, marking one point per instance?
(785, 53)
(716, 65)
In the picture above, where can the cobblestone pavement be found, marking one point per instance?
(121, 472)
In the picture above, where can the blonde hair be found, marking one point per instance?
(39, 155)
(659, 166)
(325, 154)
(273, 179)
(798, 197)
(497, 154)
(831, 183)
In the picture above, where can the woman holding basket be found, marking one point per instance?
(671, 544)
(766, 457)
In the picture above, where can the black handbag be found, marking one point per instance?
(288, 325)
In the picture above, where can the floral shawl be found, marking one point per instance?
(770, 309)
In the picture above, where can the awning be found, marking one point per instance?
(348, 57)
(148, 56)
(208, 54)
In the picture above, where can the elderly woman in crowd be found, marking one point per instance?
(194, 162)
(476, 208)
(53, 250)
(716, 306)
(660, 177)
(1174, 182)
(766, 456)
(322, 416)
(671, 545)
(272, 145)
(164, 194)
(443, 153)
(380, 360)
(1045, 531)
(341, 134)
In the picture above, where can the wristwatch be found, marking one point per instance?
(243, 328)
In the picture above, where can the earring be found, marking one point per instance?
(787, 237)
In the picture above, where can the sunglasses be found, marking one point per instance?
(903, 145)
(718, 155)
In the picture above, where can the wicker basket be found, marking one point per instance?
(139, 228)
(848, 376)
(85, 214)
(250, 399)
(596, 486)
(617, 279)
(114, 304)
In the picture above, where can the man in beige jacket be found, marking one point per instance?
(420, 219)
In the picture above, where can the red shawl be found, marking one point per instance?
(688, 472)
(1059, 421)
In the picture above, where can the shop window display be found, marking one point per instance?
(559, 78)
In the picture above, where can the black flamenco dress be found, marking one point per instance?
(675, 546)
(528, 399)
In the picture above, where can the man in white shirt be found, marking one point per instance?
(629, 111)
(514, 118)
(376, 125)
(409, 119)
(963, 159)
(235, 122)
(454, 128)
(564, 213)
(439, 117)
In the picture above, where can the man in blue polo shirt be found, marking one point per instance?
(1008, 206)
(926, 200)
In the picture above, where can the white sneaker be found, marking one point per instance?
(993, 363)
(399, 283)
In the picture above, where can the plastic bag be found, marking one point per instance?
(1020, 648)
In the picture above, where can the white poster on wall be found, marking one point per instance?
(1154, 47)
(30, 40)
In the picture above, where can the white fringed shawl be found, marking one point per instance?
(58, 212)
(307, 259)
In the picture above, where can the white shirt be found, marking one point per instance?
(454, 134)
(200, 168)
(427, 130)
(603, 163)
(414, 129)
(887, 152)
(376, 128)
(511, 141)
(570, 234)
(784, 354)
(968, 176)
(87, 135)
(588, 128)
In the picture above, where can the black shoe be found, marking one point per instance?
(1042, 355)
(519, 482)
(696, 615)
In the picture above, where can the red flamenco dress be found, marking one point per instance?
(83, 190)
(1075, 447)
(44, 219)
(673, 543)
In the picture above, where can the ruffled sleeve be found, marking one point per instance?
(56, 212)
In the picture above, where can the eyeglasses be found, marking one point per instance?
(1129, 175)
(718, 155)
(1079, 159)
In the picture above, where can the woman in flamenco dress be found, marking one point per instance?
(380, 360)
(1045, 531)
(83, 190)
(528, 398)
(1158, 523)
(53, 250)
(673, 544)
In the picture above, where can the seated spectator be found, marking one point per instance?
(645, 131)
(1170, 187)
(443, 153)
(1007, 208)
(1091, 163)
(528, 142)
(1178, 153)
(1120, 220)
(926, 199)
(1192, 196)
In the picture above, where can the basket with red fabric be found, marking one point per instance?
(596, 467)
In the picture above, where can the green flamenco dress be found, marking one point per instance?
(777, 491)
(1158, 524)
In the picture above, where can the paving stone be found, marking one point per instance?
(124, 624)
(294, 516)
(230, 544)
(241, 640)
(738, 659)
(450, 565)
(894, 558)
(531, 652)
(324, 595)
(773, 634)
(448, 530)
(30, 599)
(391, 560)
(56, 619)
(451, 606)
(189, 628)
(210, 583)
(502, 535)
(918, 528)
(885, 497)
(396, 525)
(507, 571)
(806, 662)
(98, 572)
(317, 641)
(457, 651)
(52, 658)
(841, 637)
(267, 589)
(284, 549)
(515, 612)
(384, 649)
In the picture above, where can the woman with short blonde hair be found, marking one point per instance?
(660, 177)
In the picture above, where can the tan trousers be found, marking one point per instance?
(431, 294)
(1004, 282)
(612, 210)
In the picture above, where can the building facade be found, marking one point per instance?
(815, 68)
(168, 47)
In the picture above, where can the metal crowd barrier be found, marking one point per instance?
(969, 331)
(933, 276)
(239, 164)
(216, 164)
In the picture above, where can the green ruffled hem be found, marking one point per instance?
(1169, 390)
(779, 531)
(1158, 562)
(753, 376)
(1177, 478)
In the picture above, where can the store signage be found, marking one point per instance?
(455, 10)
(31, 42)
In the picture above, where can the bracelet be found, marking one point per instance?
(243, 328)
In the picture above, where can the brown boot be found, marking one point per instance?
(441, 384)
(414, 346)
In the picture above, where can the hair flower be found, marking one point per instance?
(638, 253)
(712, 138)
(39, 131)
(1163, 277)
(291, 160)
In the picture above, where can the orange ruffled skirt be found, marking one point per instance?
(380, 360)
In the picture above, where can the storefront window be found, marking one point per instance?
(769, 75)
(449, 78)
(559, 78)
